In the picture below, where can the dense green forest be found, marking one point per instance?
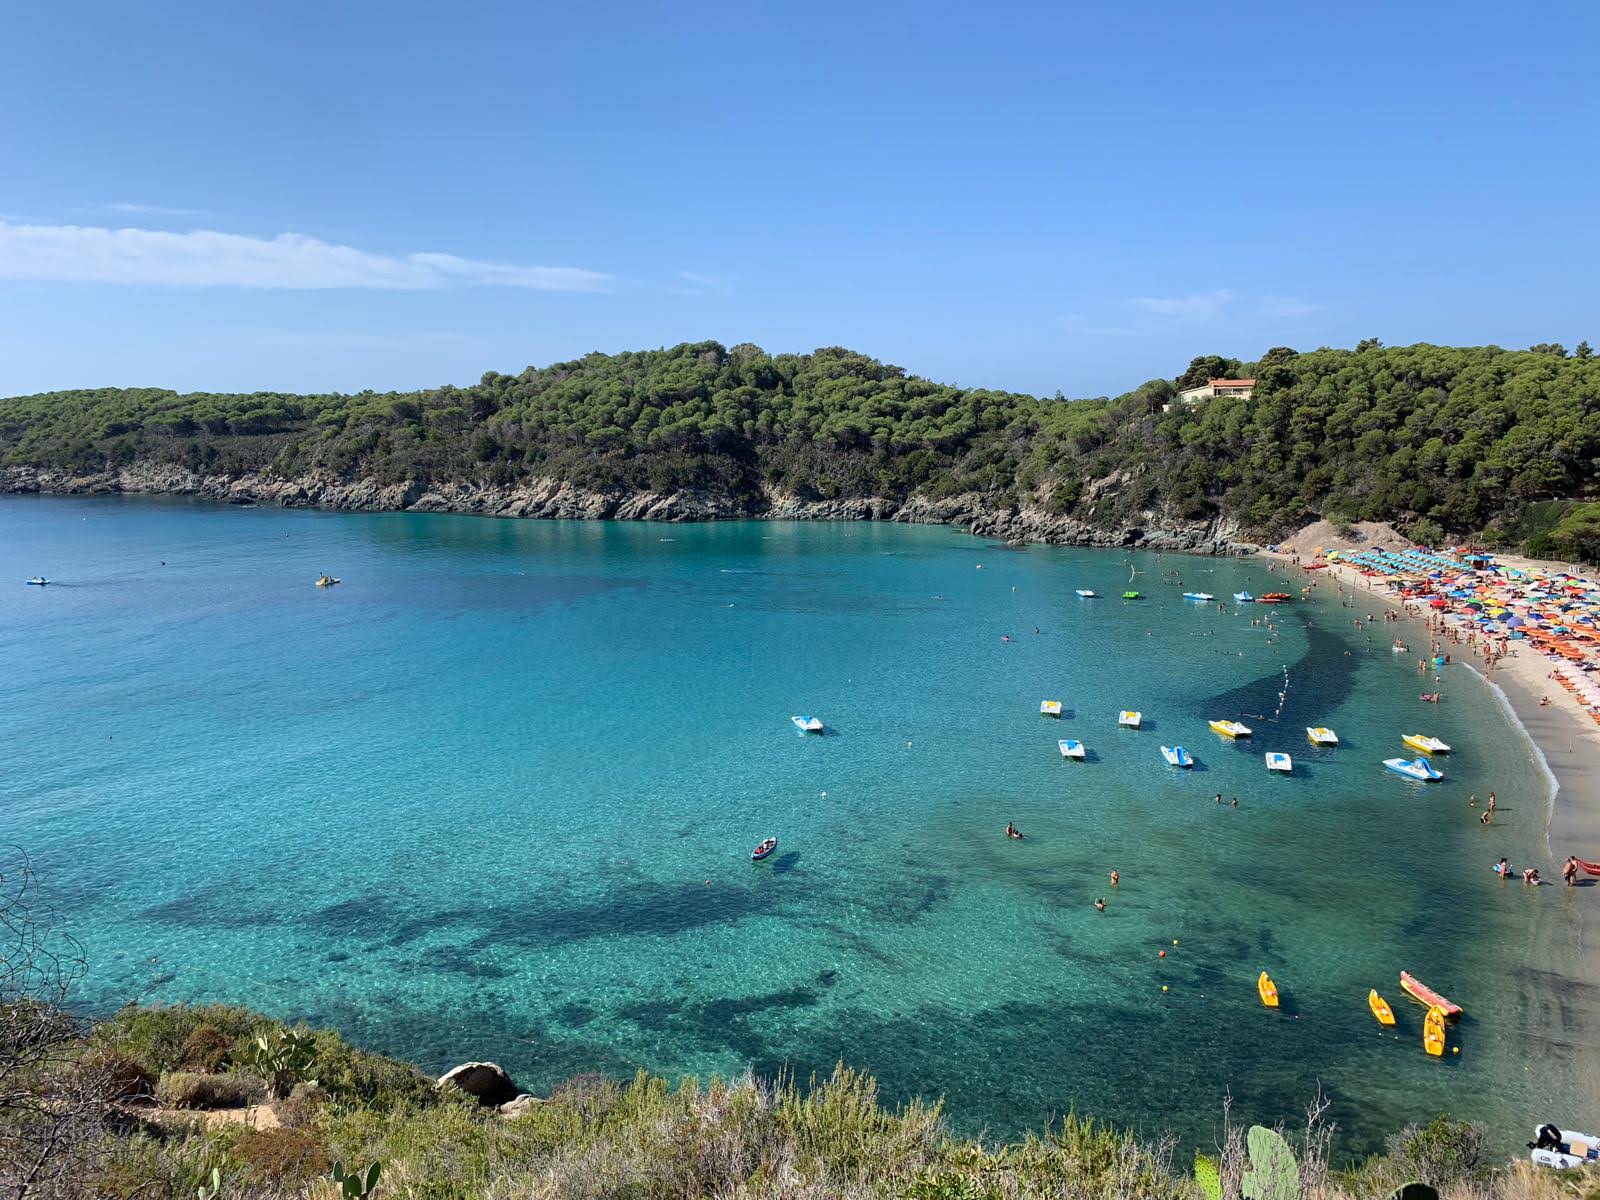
(1464, 441)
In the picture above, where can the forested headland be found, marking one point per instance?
(1499, 446)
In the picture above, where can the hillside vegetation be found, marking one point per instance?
(1441, 440)
(225, 1104)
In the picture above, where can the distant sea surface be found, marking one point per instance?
(493, 797)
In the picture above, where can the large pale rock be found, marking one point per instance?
(486, 1081)
(515, 1108)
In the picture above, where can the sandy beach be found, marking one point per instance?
(1560, 732)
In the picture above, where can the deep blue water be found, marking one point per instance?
(493, 797)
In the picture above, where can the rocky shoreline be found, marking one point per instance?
(552, 499)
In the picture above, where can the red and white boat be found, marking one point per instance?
(1589, 868)
(1424, 994)
(764, 850)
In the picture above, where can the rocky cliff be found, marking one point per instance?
(551, 498)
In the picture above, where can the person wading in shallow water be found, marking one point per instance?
(1570, 871)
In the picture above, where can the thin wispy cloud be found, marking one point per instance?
(127, 208)
(695, 283)
(1197, 305)
(1287, 306)
(208, 258)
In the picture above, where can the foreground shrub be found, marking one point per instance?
(191, 1089)
(158, 1036)
(205, 1049)
(301, 1106)
(292, 1156)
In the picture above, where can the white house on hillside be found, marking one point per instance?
(1217, 387)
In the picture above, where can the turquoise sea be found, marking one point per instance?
(493, 796)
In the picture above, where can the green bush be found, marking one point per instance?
(191, 1089)
(205, 1049)
(288, 1156)
(158, 1036)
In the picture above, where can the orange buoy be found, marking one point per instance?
(1161, 954)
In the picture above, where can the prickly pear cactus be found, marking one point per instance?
(1414, 1191)
(1273, 1173)
(1207, 1176)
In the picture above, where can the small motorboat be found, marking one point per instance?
(807, 724)
(1130, 595)
(1050, 708)
(1421, 741)
(1562, 1149)
(1433, 1032)
(1589, 868)
(39, 581)
(1088, 593)
(1129, 719)
(1071, 748)
(1321, 735)
(1423, 994)
(1416, 768)
(1268, 990)
(1177, 756)
(1380, 1008)
(1244, 598)
(1202, 597)
(764, 850)
(326, 581)
(1277, 761)
(1231, 729)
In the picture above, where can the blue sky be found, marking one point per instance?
(1032, 196)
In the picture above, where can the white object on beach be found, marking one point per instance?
(1277, 761)
(1129, 718)
(808, 724)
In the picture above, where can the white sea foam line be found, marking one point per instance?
(1538, 753)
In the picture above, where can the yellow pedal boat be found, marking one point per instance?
(1433, 1032)
(1421, 741)
(1232, 729)
(1380, 1008)
(1268, 990)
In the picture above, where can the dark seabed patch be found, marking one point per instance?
(1320, 680)
(217, 906)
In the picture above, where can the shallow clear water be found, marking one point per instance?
(493, 797)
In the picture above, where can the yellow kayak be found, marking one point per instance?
(1380, 1008)
(1268, 990)
(1433, 1032)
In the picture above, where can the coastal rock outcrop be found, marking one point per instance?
(557, 499)
(486, 1081)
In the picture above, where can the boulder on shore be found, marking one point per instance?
(485, 1081)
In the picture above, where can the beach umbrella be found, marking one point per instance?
(1513, 622)
(1439, 604)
